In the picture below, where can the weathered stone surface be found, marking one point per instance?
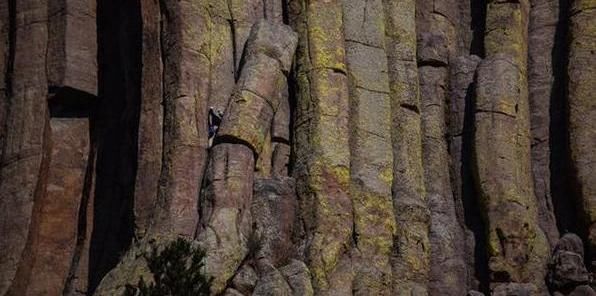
(448, 270)
(371, 160)
(321, 144)
(4, 62)
(411, 251)
(245, 280)
(501, 162)
(582, 109)
(23, 168)
(272, 283)
(250, 113)
(56, 229)
(186, 84)
(462, 70)
(280, 160)
(566, 266)
(436, 43)
(72, 45)
(273, 210)
(544, 15)
(514, 289)
(226, 219)
(276, 41)
(150, 145)
(298, 277)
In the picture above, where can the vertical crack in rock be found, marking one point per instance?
(226, 223)
(25, 156)
(371, 159)
(517, 247)
(582, 109)
(321, 144)
(119, 43)
(462, 70)
(411, 258)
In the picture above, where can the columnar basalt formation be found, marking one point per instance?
(24, 158)
(321, 142)
(436, 38)
(371, 159)
(366, 147)
(411, 251)
(516, 243)
(542, 31)
(582, 109)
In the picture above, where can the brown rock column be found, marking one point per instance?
(517, 247)
(186, 85)
(150, 145)
(56, 232)
(4, 50)
(321, 133)
(72, 45)
(544, 15)
(582, 111)
(24, 160)
(371, 161)
(436, 38)
(226, 223)
(410, 260)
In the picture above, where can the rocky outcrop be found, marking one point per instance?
(366, 147)
(566, 266)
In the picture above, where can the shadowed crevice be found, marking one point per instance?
(119, 60)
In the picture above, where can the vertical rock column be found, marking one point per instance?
(321, 143)
(544, 15)
(150, 134)
(582, 110)
(226, 221)
(410, 260)
(436, 47)
(4, 50)
(517, 247)
(23, 168)
(72, 74)
(186, 85)
(371, 161)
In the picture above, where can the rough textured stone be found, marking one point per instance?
(501, 162)
(72, 45)
(150, 144)
(23, 168)
(298, 276)
(321, 144)
(462, 70)
(226, 220)
(582, 109)
(435, 47)
(566, 266)
(411, 257)
(544, 15)
(186, 84)
(56, 232)
(371, 160)
(273, 210)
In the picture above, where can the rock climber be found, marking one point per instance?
(214, 120)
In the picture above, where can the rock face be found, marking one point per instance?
(367, 147)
